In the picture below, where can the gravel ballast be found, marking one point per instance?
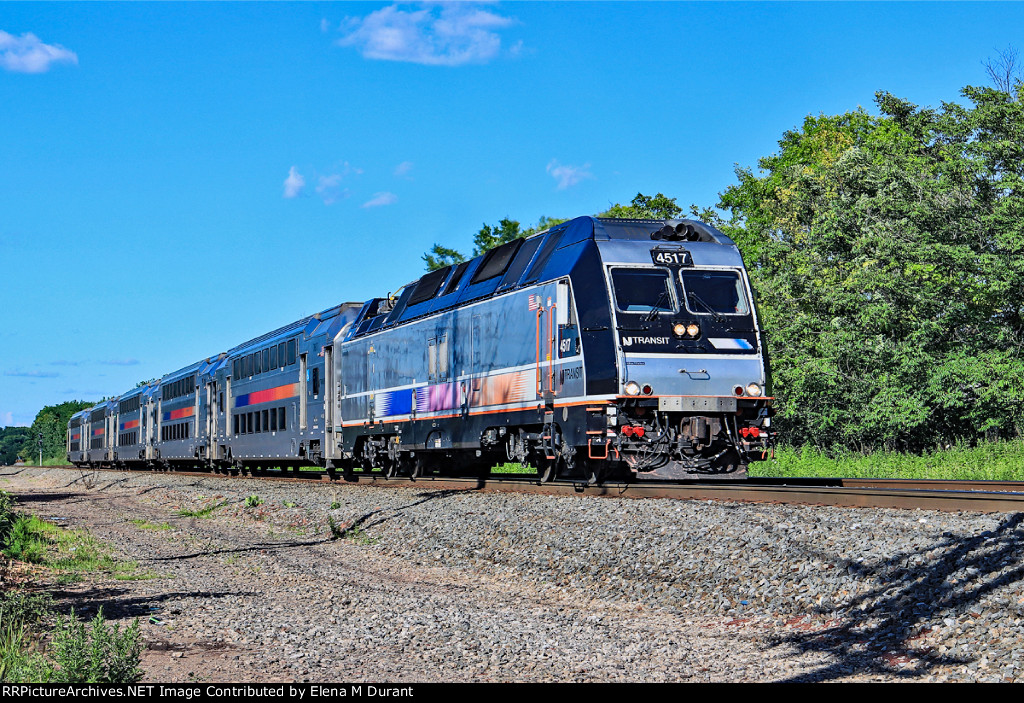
(439, 585)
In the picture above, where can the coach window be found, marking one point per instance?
(273, 419)
(282, 423)
(266, 360)
(280, 354)
(248, 423)
(258, 362)
(291, 352)
(235, 418)
(643, 290)
(273, 357)
(257, 419)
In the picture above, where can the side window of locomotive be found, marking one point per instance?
(714, 292)
(316, 380)
(442, 358)
(643, 290)
(432, 359)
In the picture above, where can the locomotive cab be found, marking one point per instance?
(691, 398)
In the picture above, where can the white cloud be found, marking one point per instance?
(403, 168)
(330, 190)
(34, 373)
(568, 175)
(379, 199)
(446, 34)
(324, 25)
(294, 184)
(26, 54)
(120, 362)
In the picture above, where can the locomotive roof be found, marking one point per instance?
(544, 256)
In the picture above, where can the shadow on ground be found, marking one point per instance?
(915, 590)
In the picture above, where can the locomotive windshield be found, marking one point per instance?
(714, 292)
(643, 290)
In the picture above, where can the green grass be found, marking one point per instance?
(147, 525)
(66, 552)
(988, 461)
(511, 468)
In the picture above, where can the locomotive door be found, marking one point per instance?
(371, 368)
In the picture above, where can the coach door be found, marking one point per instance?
(214, 408)
(330, 399)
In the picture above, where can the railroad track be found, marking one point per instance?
(925, 494)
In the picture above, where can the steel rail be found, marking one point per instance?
(922, 494)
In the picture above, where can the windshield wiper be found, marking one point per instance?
(656, 308)
(695, 297)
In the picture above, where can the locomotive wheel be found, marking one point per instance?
(416, 466)
(547, 470)
(593, 471)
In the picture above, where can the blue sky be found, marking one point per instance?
(178, 178)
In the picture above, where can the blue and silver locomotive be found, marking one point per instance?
(598, 349)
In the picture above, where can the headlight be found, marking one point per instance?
(754, 390)
(679, 329)
(693, 330)
(632, 388)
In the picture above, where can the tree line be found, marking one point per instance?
(886, 253)
(52, 423)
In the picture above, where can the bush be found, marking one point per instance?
(100, 653)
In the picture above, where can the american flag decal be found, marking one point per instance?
(534, 302)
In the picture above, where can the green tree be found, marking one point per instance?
(886, 255)
(12, 439)
(488, 237)
(52, 423)
(645, 207)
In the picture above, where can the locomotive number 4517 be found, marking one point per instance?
(671, 258)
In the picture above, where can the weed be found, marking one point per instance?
(25, 541)
(290, 504)
(335, 505)
(253, 501)
(28, 608)
(18, 663)
(347, 530)
(204, 512)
